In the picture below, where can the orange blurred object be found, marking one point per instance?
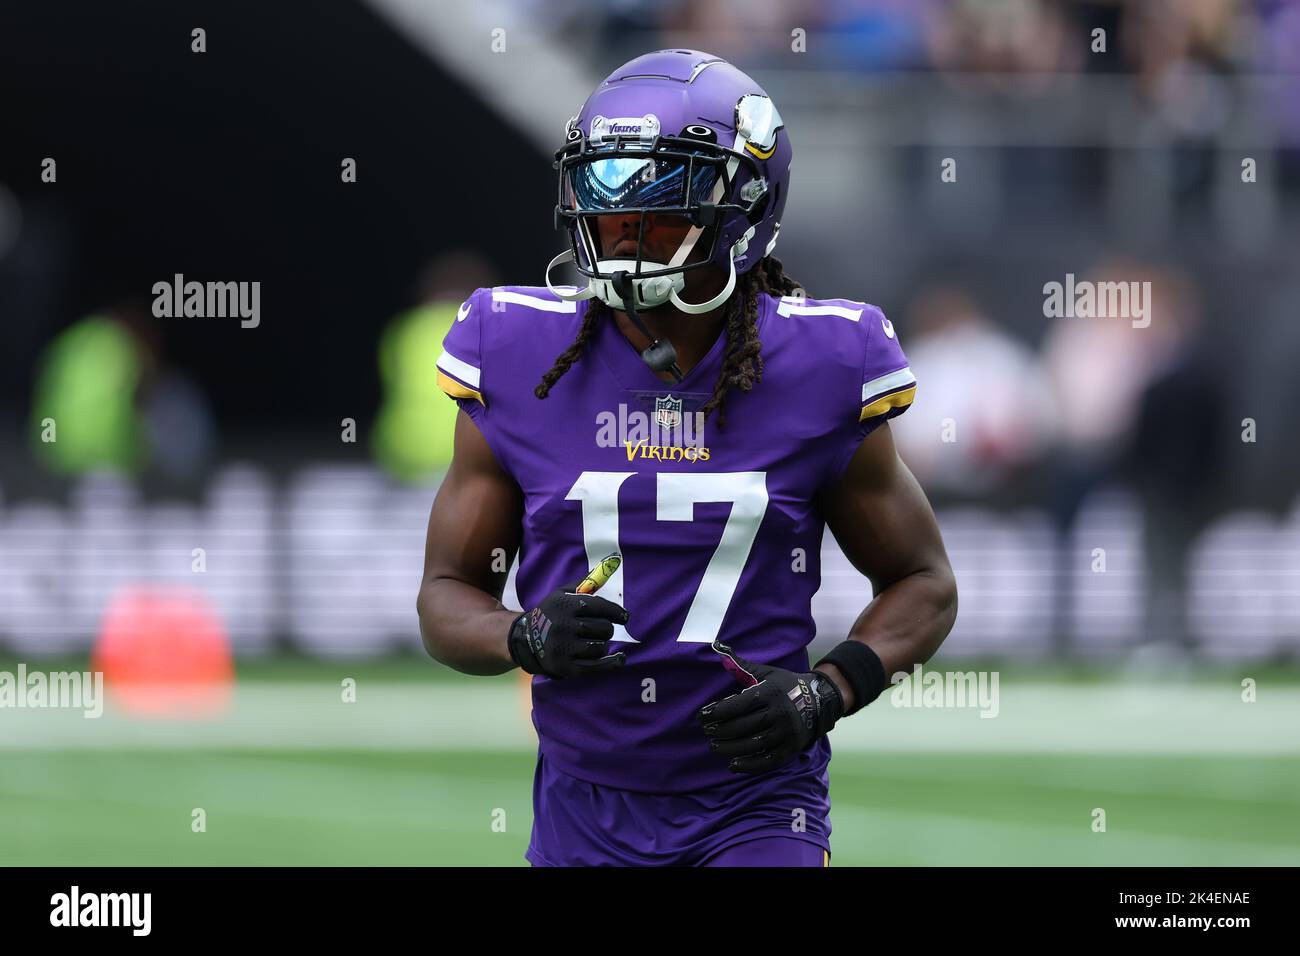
(164, 653)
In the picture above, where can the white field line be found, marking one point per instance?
(925, 838)
(1102, 775)
(1128, 718)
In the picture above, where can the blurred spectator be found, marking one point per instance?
(1137, 402)
(742, 31)
(1182, 52)
(1270, 396)
(1099, 366)
(983, 410)
(1012, 46)
(871, 34)
(107, 399)
(415, 429)
(83, 412)
(175, 410)
(1276, 50)
(1177, 454)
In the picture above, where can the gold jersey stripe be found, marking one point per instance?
(456, 390)
(886, 402)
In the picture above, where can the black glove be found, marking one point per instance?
(567, 635)
(768, 723)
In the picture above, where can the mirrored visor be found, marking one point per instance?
(629, 182)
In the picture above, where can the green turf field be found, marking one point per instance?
(295, 777)
(338, 807)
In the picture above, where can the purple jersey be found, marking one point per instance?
(718, 526)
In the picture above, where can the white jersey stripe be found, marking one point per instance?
(887, 383)
(462, 370)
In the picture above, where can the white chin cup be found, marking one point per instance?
(650, 292)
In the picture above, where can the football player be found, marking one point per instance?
(689, 409)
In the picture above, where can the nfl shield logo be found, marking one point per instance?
(668, 412)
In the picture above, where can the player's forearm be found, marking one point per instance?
(465, 627)
(904, 625)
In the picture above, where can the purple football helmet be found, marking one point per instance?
(674, 133)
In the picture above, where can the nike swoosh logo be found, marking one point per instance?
(463, 312)
(888, 327)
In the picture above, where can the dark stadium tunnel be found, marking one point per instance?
(225, 166)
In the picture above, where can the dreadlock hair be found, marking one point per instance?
(742, 366)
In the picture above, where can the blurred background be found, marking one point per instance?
(188, 501)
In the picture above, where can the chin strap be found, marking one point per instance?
(659, 354)
(577, 294)
(697, 308)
